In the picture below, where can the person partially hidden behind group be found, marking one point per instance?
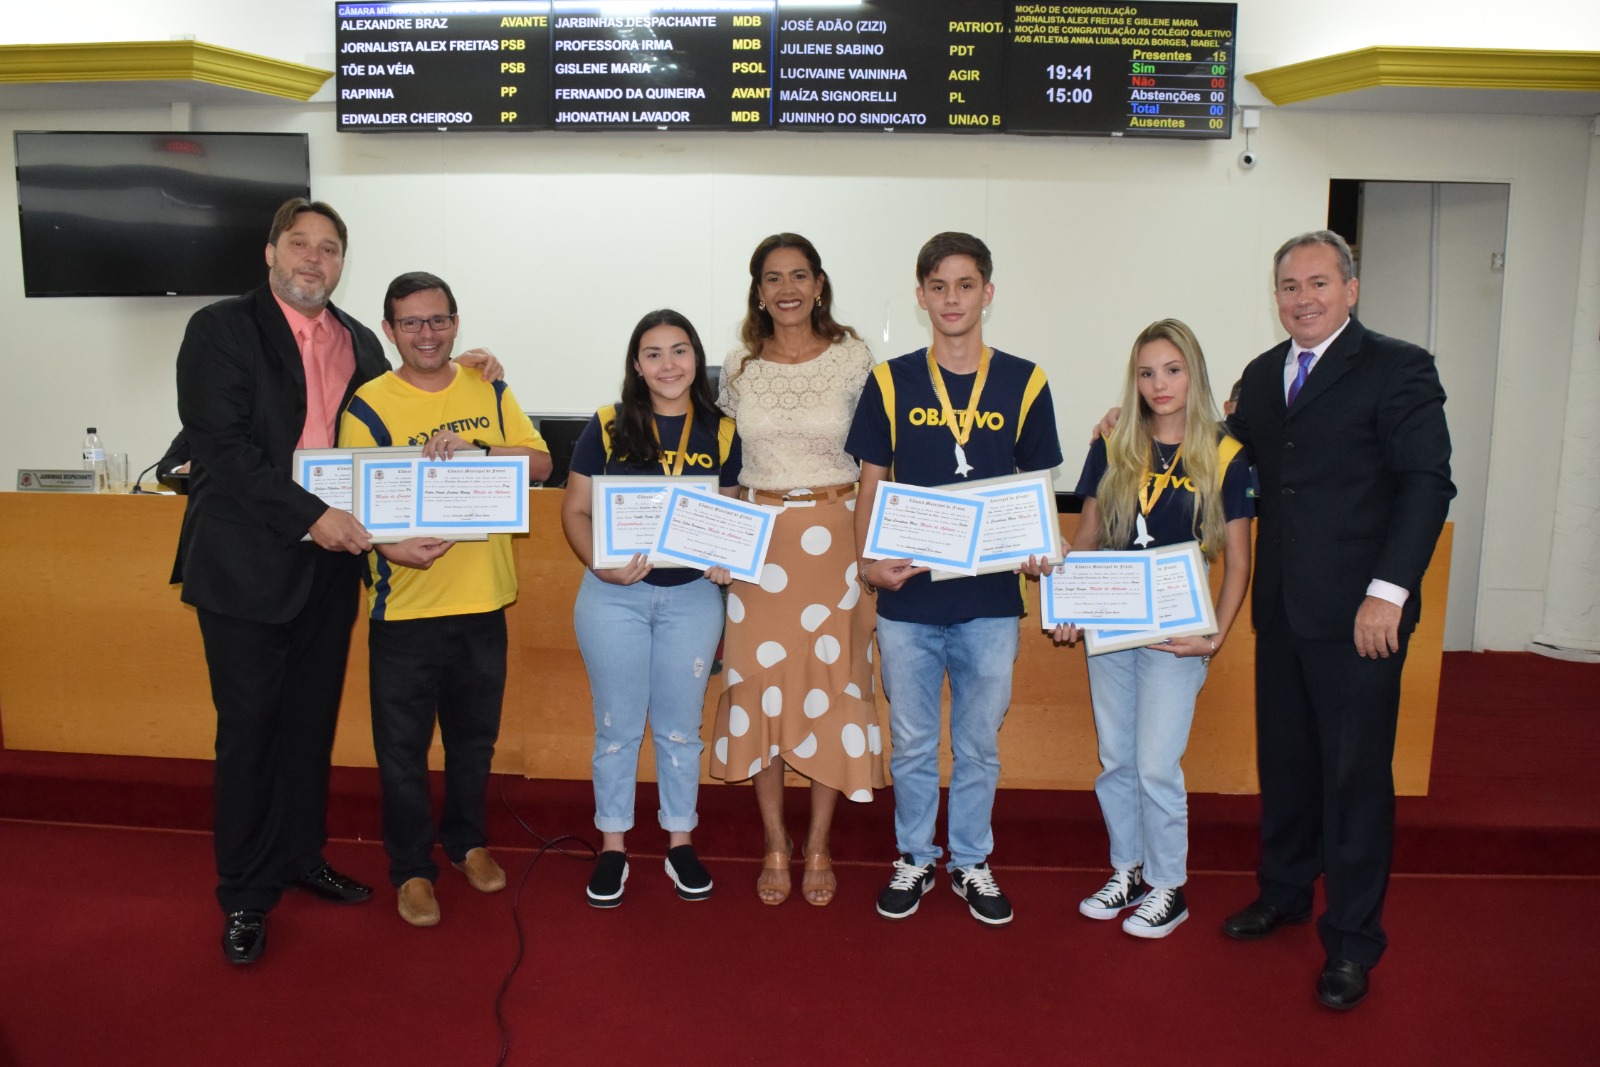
(436, 638)
(648, 636)
(798, 650)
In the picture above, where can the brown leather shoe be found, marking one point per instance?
(483, 873)
(418, 905)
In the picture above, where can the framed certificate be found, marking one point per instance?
(626, 511)
(1111, 589)
(466, 497)
(702, 531)
(1019, 520)
(1182, 601)
(930, 527)
(329, 473)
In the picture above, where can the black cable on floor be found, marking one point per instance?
(552, 844)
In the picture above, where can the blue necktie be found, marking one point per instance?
(1304, 360)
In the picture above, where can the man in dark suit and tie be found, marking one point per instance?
(1347, 430)
(260, 375)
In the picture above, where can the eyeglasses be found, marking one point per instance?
(436, 323)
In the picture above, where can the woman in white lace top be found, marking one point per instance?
(797, 651)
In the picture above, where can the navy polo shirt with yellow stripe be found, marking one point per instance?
(899, 424)
(713, 449)
(1171, 520)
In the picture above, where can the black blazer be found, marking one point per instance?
(1355, 479)
(242, 402)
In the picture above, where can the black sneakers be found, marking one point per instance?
(605, 884)
(983, 897)
(1125, 890)
(692, 880)
(906, 889)
(1160, 914)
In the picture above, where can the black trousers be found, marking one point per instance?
(276, 687)
(1325, 730)
(453, 668)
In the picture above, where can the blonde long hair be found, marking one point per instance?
(1129, 448)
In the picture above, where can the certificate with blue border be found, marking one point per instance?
(329, 473)
(1182, 588)
(930, 527)
(1105, 589)
(1020, 521)
(626, 511)
(703, 531)
(465, 498)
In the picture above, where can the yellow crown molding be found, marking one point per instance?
(116, 61)
(1443, 68)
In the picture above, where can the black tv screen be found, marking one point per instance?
(151, 214)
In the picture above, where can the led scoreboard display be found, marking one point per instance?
(888, 64)
(972, 66)
(658, 64)
(451, 65)
(1135, 69)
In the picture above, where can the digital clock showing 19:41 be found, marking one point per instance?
(1068, 93)
(1129, 70)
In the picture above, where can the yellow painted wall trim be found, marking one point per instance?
(1440, 68)
(158, 61)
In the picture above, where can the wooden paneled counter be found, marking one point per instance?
(99, 655)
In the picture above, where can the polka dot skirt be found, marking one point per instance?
(798, 661)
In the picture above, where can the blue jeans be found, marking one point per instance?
(648, 650)
(1143, 705)
(978, 656)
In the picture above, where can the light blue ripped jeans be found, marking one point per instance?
(1143, 707)
(648, 650)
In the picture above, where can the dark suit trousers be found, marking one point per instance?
(276, 687)
(453, 666)
(1325, 729)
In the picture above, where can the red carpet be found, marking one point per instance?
(118, 964)
(1513, 792)
(109, 955)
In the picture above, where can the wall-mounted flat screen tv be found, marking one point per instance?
(151, 214)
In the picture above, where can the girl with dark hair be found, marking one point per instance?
(648, 637)
(1169, 475)
(799, 676)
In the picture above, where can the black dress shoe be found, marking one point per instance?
(1257, 919)
(1342, 984)
(244, 935)
(330, 884)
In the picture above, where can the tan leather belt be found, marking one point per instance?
(825, 494)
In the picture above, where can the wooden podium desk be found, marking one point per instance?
(99, 655)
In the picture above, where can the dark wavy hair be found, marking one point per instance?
(289, 210)
(758, 321)
(633, 435)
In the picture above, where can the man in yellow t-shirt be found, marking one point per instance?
(437, 633)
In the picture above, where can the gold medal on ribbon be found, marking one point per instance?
(960, 429)
(1151, 486)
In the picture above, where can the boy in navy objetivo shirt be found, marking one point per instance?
(953, 412)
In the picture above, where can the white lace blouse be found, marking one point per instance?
(793, 418)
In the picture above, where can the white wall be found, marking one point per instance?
(557, 242)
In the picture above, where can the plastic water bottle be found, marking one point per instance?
(94, 458)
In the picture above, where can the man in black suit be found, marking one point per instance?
(258, 376)
(1347, 430)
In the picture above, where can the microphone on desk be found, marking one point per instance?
(138, 483)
